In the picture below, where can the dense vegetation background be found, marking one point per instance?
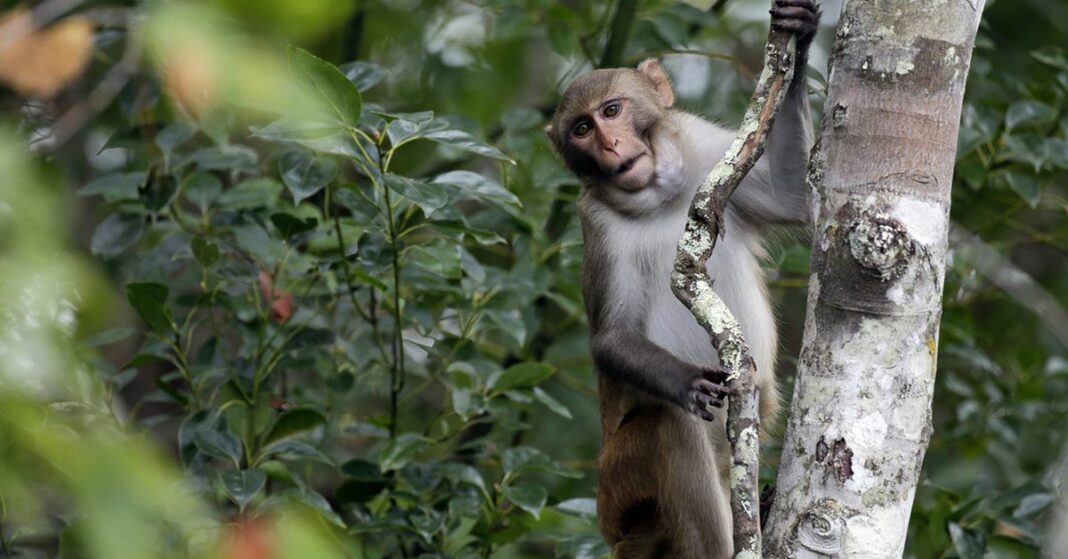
(300, 279)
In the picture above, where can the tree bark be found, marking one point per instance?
(880, 178)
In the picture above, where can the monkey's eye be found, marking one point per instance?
(611, 110)
(582, 129)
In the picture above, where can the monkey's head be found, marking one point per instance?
(604, 123)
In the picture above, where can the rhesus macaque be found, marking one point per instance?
(662, 477)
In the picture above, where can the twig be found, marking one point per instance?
(738, 65)
(112, 83)
(692, 285)
(618, 32)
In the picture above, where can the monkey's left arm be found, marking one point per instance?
(775, 191)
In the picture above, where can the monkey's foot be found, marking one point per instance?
(708, 391)
(767, 497)
(800, 17)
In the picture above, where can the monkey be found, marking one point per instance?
(662, 487)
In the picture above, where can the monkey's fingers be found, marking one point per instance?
(716, 391)
(717, 374)
(797, 17)
(800, 17)
(810, 4)
(700, 404)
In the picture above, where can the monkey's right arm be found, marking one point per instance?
(627, 355)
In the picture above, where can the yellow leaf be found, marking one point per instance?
(41, 62)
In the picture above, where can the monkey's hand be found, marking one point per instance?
(708, 390)
(800, 17)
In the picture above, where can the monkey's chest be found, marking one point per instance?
(667, 322)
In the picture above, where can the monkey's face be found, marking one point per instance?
(604, 125)
(609, 136)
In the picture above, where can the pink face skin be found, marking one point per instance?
(607, 135)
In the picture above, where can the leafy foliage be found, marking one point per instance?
(344, 296)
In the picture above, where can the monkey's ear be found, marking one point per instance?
(651, 69)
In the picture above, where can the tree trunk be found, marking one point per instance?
(860, 418)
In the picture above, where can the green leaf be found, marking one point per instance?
(527, 496)
(478, 187)
(150, 301)
(1033, 504)
(467, 142)
(364, 277)
(460, 229)
(430, 197)
(399, 451)
(116, 234)
(1051, 55)
(108, 337)
(316, 502)
(230, 157)
(320, 138)
(359, 492)
(1029, 112)
(170, 390)
(327, 85)
(291, 422)
(254, 240)
(438, 257)
(463, 473)
(252, 193)
(519, 458)
(580, 507)
(363, 75)
(407, 126)
(522, 375)
(363, 470)
(1026, 186)
(304, 174)
(969, 543)
(242, 485)
(174, 135)
(1026, 148)
(201, 189)
(364, 483)
(1057, 151)
(467, 403)
(289, 225)
(115, 187)
(521, 119)
(553, 404)
(297, 450)
(219, 444)
(204, 251)
(157, 191)
(510, 322)
(582, 546)
(290, 129)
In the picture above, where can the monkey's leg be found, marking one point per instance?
(627, 473)
(695, 505)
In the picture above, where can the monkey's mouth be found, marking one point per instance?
(628, 164)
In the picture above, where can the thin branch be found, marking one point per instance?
(618, 32)
(738, 65)
(112, 83)
(692, 285)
